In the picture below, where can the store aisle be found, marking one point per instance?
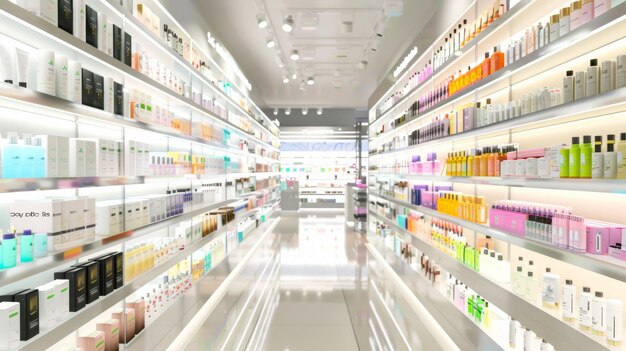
(323, 303)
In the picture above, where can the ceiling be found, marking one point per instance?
(327, 51)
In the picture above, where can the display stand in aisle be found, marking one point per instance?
(359, 197)
(290, 194)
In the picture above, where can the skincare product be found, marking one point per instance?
(93, 281)
(593, 78)
(63, 298)
(65, 15)
(567, 301)
(62, 77)
(580, 85)
(77, 278)
(10, 322)
(26, 246)
(23, 64)
(574, 158)
(29, 311)
(620, 72)
(598, 314)
(47, 305)
(584, 308)
(614, 322)
(550, 289)
(98, 98)
(91, 35)
(610, 158)
(87, 87)
(128, 49)
(80, 21)
(607, 77)
(597, 159)
(111, 330)
(568, 87)
(46, 81)
(586, 152)
(74, 81)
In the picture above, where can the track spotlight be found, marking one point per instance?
(319, 111)
(261, 21)
(288, 111)
(305, 111)
(295, 55)
(362, 65)
(288, 24)
(310, 81)
(270, 43)
(275, 111)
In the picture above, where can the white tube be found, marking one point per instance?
(7, 58)
(22, 67)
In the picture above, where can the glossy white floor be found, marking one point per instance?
(314, 287)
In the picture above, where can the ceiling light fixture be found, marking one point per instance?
(305, 111)
(294, 76)
(346, 26)
(261, 21)
(295, 55)
(285, 79)
(288, 111)
(362, 65)
(280, 61)
(288, 24)
(319, 111)
(270, 43)
(310, 81)
(302, 86)
(275, 111)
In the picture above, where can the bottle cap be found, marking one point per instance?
(599, 294)
(530, 273)
(519, 268)
(610, 138)
(554, 19)
(569, 73)
(586, 289)
(8, 236)
(531, 262)
(500, 257)
(548, 270)
(27, 232)
(568, 282)
(486, 55)
(587, 139)
(593, 62)
(565, 12)
(622, 136)
(575, 140)
(520, 258)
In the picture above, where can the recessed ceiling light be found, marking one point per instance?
(295, 55)
(275, 111)
(288, 111)
(310, 81)
(288, 24)
(320, 111)
(261, 21)
(305, 111)
(270, 43)
(346, 26)
(362, 65)
(285, 80)
(294, 76)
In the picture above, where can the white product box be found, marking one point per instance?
(47, 305)
(145, 212)
(77, 157)
(63, 156)
(109, 94)
(118, 157)
(89, 215)
(46, 9)
(10, 322)
(132, 209)
(108, 218)
(103, 29)
(130, 158)
(101, 158)
(113, 167)
(109, 38)
(80, 19)
(63, 302)
(91, 159)
(40, 216)
(49, 143)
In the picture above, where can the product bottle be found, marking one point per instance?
(518, 280)
(593, 78)
(12, 157)
(575, 14)
(531, 287)
(40, 247)
(550, 289)
(39, 153)
(554, 28)
(587, 12)
(621, 157)
(584, 307)
(486, 66)
(568, 87)
(28, 158)
(46, 81)
(529, 340)
(574, 158)
(9, 250)
(497, 60)
(614, 322)
(516, 335)
(26, 246)
(580, 85)
(607, 77)
(586, 152)
(567, 301)
(610, 158)
(598, 314)
(564, 162)
(597, 159)
(564, 22)
(620, 72)
(492, 159)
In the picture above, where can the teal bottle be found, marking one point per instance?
(9, 250)
(40, 246)
(26, 246)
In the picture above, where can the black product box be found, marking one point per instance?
(66, 15)
(119, 99)
(93, 282)
(98, 97)
(91, 29)
(78, 284)
(88, 88)
(117, 43)
(128, 49)
(118, 265)
(107, 273)
(29, 311)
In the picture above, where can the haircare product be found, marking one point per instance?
(614, 322)
(550, 289)
(574, 158)
(9, 250)
(10, 322)
(65, 15)
(597, 159)
(46, 82)
(620, 72)
(61, 76)
(593, 78)
(91, 35)
(610, 158)
(580, 85)
(621, 157)
(29, 311)
(607, 76)
(564, 162)
(568, 87)
(22, 67)
(77, 283)
(598, 314)
(567, 301)
(26, 246)
(584, 308)
(585, 157)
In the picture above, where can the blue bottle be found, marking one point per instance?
(9, 250)
(26, 246)
(39, 152)
(40, 247)
(11, 158)
(28, 158)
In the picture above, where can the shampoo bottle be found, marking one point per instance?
(614, 322)
(574, 158)
(597, 159)
(46, 81)
(610, 158)
(621, 157)
(550, 289)
(26, 246)
(598, 314)
(9, 250)
(593, 78)
(585, 157)
(584, 308)
(607, 77)
(580, 85)
(620, 72)
(40, 247)
(568, 87)
(567, 301)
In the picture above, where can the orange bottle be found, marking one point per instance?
(497, 60)
(476, 164)
(486, 66)
(484, 158)
(494, 157)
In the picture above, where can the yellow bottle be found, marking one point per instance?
(449, 165)
(470, 163)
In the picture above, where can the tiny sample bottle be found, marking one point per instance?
(610, 158)
(580, 85)
(586, 152)
(9, 250)
(567, 301)
(614, 322)
(597, 159)
(584, 309)
(574, 158)
(550, 289)
(598, 314)
(620, 72)
(593, 78)
(564, 22)
(568, 87)
(26, 246)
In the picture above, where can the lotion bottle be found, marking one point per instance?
(580, 85)
(567, 301)
(597, 159)
(598, 314)
(593, 78)
(607, 77)
(568, 87)
(584, 310)
(614, 322)
(550, 289)
(585, 157)
(620, 72)
(574, 158)
(610, 158)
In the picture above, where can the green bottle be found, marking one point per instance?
(477, 260)
(470, 305)
(564, 163)
(478, 309)
(585, 157)
(574, 158)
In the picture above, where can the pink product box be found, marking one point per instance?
(510, 222)
(532, 153)
(497, 219)
(511, 155)
(617, 252)
(429, 199)
(598, 238)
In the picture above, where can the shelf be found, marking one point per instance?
(9, 185)
(502, 20)
(160, 334)
(598, 25)
(600, 104)
(58, 259)
(93, 310)
(140, 27)
(322, 205)
(466, 334)
(590, 185)
(604, 265)
(558, 333)
(59, 35)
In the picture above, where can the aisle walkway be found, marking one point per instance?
(323, 285)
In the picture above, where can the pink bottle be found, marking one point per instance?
(587, 13)
(577, 234)
(600, 7)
